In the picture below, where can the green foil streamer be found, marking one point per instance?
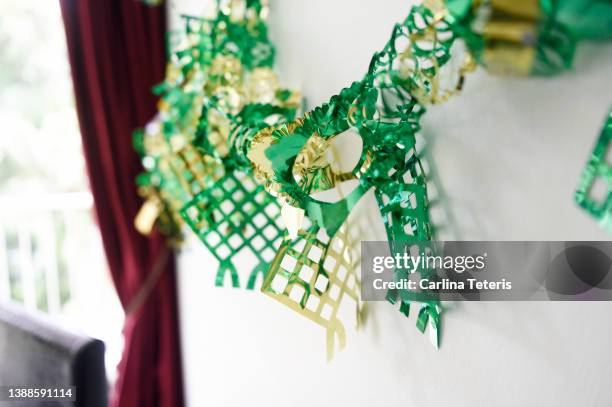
(587, 19)
(594, 193)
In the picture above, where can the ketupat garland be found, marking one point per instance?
(218, 79)
(384, 109)
(225, 123)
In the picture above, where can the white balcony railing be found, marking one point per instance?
(51, 261)
(36, 235)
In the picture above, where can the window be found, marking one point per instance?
(51, 257)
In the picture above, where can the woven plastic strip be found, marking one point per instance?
(594, 192)
(174, 178)
(235, 218)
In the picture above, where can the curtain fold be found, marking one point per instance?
(117, 53)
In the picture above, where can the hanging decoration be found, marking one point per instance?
(219, 81)
(229, 157)
(519, 37)
(595, 186)
(384, 109)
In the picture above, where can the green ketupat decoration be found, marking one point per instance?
(385, 110)
(219, 85)
(594, 192)
(242, 95)
(237, 217)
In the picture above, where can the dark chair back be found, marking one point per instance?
(36, 353)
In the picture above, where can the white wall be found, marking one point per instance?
(509, 152)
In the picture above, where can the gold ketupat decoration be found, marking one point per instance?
(191, 173)
(314, 276)
(178, 171)
(509, 29)
(516, 37)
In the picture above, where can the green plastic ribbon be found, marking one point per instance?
(586, 19)
(594, 193)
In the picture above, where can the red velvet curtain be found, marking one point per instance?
(117, 53)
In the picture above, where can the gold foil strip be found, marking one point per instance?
(528, 9)
(510, 36)
(312, 275)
